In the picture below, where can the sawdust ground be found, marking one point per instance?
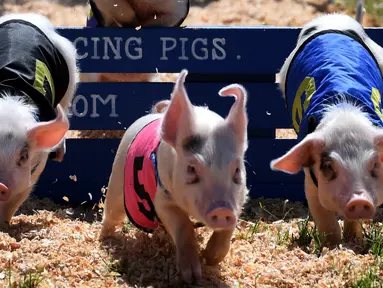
(62, 243)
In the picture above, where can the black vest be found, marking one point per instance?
(32, 67)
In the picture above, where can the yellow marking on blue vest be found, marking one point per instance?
(90, 14)
(376, 99)
(42, 73)
(307, 86)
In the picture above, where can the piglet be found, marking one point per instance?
(184, 161)
(332, 83)
(132, 14)
(38, 78)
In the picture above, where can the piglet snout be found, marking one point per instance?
(4, 192)
(221, 217)
(359, 208)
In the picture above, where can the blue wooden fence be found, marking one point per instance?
(214, 56)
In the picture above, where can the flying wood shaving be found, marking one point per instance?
(66, 198)
(74, 178)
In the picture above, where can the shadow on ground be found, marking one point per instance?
(271, 210)
(149, 260)
(87, 213)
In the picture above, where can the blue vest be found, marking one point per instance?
(329, 64)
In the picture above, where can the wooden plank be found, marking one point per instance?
(90, 160)
(223, 50)
(114, 106)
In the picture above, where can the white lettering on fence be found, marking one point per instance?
(198, 48)
(182, 48)
(132, 47)
(83, 102)
(116, 49)
(74, 109)
(111, 98)
(138, 50)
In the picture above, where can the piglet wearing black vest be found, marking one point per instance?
(38, 78)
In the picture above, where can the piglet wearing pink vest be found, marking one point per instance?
(179, 161)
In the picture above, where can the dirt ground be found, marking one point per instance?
(60, 246)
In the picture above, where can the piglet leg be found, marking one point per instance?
(217, 247)
(177, 223)
(114, 208)
(352, 229)
(325, 220)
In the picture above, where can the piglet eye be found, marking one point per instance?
(375, 170)
(327, 169)
(237, 176)
(192, 175)
(23, 157)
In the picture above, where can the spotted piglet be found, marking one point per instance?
(332, 83)
(185, 161)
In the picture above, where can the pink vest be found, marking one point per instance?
(140, 178)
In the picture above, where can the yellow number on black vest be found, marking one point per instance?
(42, 73)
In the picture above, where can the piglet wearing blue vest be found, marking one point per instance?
(332, 83)
(178, 161)
(38, 77)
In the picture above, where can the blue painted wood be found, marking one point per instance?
(223, 49)
(91, 161)
(266, 107)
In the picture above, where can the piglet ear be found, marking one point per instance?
(178, 117)
(300, 155)
(49, 134)
(237, 117)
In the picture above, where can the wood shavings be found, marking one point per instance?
(69, 253)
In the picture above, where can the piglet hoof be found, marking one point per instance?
(106, 231)
(352, 231)
(331, 241)
(214, 256)
(189, 266)
(217, 248)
